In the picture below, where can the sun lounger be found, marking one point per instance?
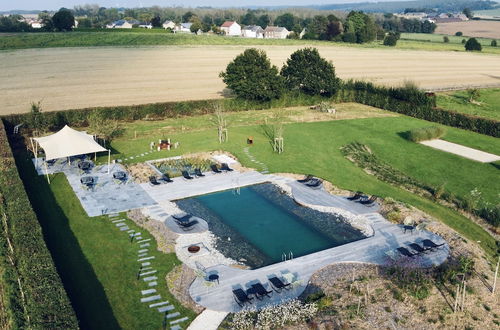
(356, 196)
(182, 218)
(260, 291)
(368, 201)
(430, 244)
(313, 183)
(166, 178)
(308, 178)
(198, 173)
(418, 248)
(186, 175)
(241, 297)
(278, 284)
(215, 169)
(153, 181)
(403, 251)
(225, 167)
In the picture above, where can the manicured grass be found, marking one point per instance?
(488, 107)
(97, 262)
(314, 148)
(158, 37)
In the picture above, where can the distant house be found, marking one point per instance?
(36, 24)
(231, 28)
(276, 32)
(120, 24)
(252, 31)
(168, 24)
(183, 28)
(146, 25)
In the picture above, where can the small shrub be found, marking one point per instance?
(487, 308)
(394, 216)
(493, 43)
(425, 133)
(446, 39)
(464, 41)
(390, 40)
(459, 34)
(473, 45)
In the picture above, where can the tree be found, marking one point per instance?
(361, 25)
(188, 16)
(264, 21)
(472, 44)
(102, 127)
(156, 21)
(63, 20)
(286, 20)
(36, 119)
(493, 43)
(307, 71)
(459, 34)
(249, 18)
(251, 76)
(390, 40)
(467, 12)
(195, 26)
(446, 39)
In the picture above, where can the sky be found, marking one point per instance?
(56, 4)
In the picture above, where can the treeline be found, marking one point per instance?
(400, 24)
(34, 294)
(14, 23)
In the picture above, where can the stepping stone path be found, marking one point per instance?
(264, 169)
(150, 295)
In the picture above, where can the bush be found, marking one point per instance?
(464, 41)
(307, 71)
(493, 43)
(390, 40)
(252, 77)
(459, 34)
(425, 133)
(446, 39)
(45, 304)
(473, 45)
(349, 37)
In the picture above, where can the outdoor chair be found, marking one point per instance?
(215, 169)
(50, 162)
(430, 244)
(278, 285)
(166, 178)
(182, 218)
(225, 167)
(260, 291)
(418, 248)
(186, 175)
(153, 181)
(314, 183)
(308, 178)
(368, 201)
(187, 226)
(198, 173)
(241, 297)
(356, 196)
(405, 252)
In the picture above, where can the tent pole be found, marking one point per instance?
(47, 172)
(95, 157)
(33, 147)
(109, 159)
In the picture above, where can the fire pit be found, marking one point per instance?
(194, 248)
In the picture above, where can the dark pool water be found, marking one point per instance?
(258, 225)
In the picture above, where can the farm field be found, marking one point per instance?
(481, 28)
(438, 38)
(70, 78)
(487, 105)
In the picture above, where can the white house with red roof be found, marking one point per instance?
(231, 28)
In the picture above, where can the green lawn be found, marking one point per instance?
(314, 148)
(96, 261)
(488, 107)
(159, 37)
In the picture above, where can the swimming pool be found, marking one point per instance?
(259, 225)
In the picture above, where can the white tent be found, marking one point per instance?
(68, 142)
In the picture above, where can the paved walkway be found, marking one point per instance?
(207, 320)
(460, 150)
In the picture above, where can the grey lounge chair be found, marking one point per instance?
(153, 181)
(368, 201)
(308, 178)
(182, 218)
(186, 226)
(225, 167)
(404, 252)
(356, 196)
(430, 244)
(198, 173)
(241, 297)
(215, 169)
(418, 248)
(260, 291)
(278, 285)
(166, 178)
(186, 175)
(314, 183)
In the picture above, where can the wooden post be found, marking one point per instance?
(463, 295)
(457, 294)
(495, 278)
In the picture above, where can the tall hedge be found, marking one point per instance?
(36, 296)
(408, 101)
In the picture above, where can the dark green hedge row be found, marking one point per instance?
(46, 302)
(415, 103)
(409, 101)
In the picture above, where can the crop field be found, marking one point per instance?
(483, 29)
(70, 78)
(438, 38)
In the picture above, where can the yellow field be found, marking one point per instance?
(69, 78)
(482, 29)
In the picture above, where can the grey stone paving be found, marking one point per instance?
(153, 283)
(107, 196)
(165, 309)
(159, 304)
(151, 298)
(172, 315)
(146, 258)
(150, 278)
(179, 320)
(149, 291)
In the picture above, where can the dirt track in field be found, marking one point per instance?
(70, 78)
(483, 29)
